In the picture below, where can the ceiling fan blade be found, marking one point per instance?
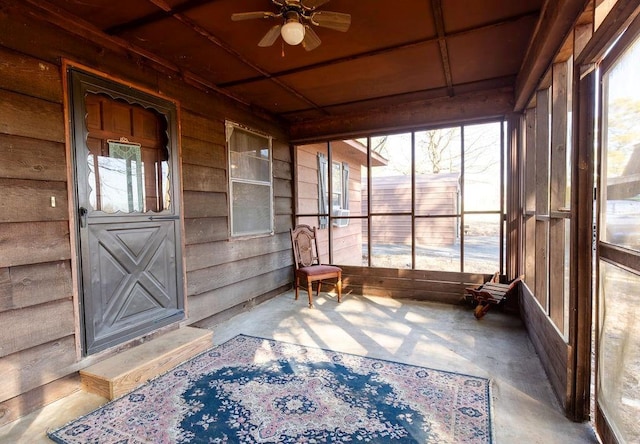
(313, 4)
(311, 40)
(332, 20)
(270, 37)
(251, 15)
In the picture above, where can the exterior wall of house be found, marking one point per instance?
(436, 194)
(346, 240)
(40, 335)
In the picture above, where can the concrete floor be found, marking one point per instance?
(431, 335)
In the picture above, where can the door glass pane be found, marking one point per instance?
(619, 351)
(127, 160)
(620, 220)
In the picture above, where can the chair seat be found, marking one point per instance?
(305, 252)
(318, 270)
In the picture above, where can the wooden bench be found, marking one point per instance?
(491, 293)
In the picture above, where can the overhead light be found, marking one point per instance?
(292, 32)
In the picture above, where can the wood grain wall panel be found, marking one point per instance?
(202, 128)
(33, 243)
(45, 363)
(35, 277)
(550, 346)
(444, 276)
(281, 151)
(29, 285)
(21, 405)
(202, 178)
(26, 158)
(49, 43)
(27, 75)
(31, 200)
(204, 230)
(282, 188)
(227, 297)
(198, 204)
(33, 326)
(283, 205)
(201, 152)
(20, 112)
(282, 170)
(283, 223)
(202, 256)
(207, 103)
(208, 279)
(447, 287)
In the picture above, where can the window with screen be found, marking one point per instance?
(250, 182)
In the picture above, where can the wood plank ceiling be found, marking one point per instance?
(395, 52)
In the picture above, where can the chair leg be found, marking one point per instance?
(310, 291)
(297, 284)
(339, 285)
(319, 286)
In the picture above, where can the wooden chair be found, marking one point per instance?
(309, 269)
(491, 293)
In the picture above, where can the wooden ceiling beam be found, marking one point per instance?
(381, 51)
(189, 23)
(45, 11)
(556, 21)
(438, 17)
(156, 16)
(412, 96)
(461, 108)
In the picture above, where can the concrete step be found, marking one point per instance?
(125, 371)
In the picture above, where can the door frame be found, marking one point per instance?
(133, 94)
(614, 35)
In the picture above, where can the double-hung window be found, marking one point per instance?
(250, 182)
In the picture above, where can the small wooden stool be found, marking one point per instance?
(491, 293)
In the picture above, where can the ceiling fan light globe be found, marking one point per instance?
(292, 32)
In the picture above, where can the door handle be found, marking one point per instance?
(152, 218)
(82, 212)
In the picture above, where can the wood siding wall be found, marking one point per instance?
(39, 343)
(435, 195)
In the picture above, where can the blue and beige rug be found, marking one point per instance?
(255, 390)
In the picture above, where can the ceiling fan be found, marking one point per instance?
(297, 17)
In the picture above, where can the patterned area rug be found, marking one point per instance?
(255, 390)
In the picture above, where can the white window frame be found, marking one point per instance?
(324, 175)
(230, 127)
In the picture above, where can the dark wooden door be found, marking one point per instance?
(128, 215)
